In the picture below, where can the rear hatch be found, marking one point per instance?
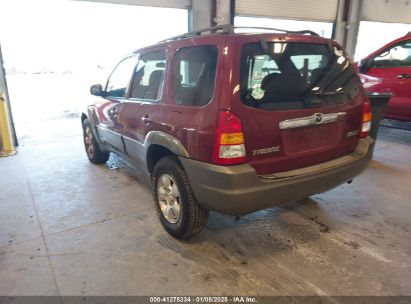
(301, 103)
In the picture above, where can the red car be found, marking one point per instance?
(232, 122)
(388, 70)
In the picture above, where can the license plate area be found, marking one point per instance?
(311, 138)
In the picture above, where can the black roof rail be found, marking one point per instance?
(302, 32)
(230, 29)
(224, 29)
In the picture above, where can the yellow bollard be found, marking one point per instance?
(7, 148)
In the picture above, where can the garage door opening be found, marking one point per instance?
(369, 41)
(54, 50)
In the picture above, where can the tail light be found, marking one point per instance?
(366, 119)
(229, 148)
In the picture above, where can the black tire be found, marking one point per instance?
(93, 151)
(192, 217)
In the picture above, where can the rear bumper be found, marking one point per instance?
(238, 190)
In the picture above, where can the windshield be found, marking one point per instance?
(281, 76)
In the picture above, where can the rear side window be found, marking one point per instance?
(194, 71)
(149, 77)
(287, 76)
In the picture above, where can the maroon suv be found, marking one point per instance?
(233, 122)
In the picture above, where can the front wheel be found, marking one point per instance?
(94, 153)
(176, 206)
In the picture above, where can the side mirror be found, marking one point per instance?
(96, 90)
(364, 65)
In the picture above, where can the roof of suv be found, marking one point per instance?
(228, 29)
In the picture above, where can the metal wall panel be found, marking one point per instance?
(315, 10)
(156, 3)
(393, 11)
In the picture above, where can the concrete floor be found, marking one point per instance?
(68, 227)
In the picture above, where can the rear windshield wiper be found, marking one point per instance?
(313, 100)
(320, 93)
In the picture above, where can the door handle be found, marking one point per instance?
(146, 119)
(404, 76)
(114, 110)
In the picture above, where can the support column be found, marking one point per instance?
(206, 13)
(347, 24)
(341, 21)
(199, 15)
(6, 123)
(353, 26)
(223, 12)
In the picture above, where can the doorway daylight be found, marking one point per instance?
(54, 50)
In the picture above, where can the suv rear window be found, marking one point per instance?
(194, 70)
(285, 76)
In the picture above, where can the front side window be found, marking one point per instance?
(194, 71)
(283, 76)
(120, 77)
(149, 77)
(396, 56)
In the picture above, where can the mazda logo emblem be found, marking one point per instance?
(318, 117)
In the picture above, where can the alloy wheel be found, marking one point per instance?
(169, 198)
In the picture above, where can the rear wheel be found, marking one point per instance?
(94, 153)
(176, 206)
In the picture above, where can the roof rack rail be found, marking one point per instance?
(229, 29)
(277, 30)
(224, 29)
